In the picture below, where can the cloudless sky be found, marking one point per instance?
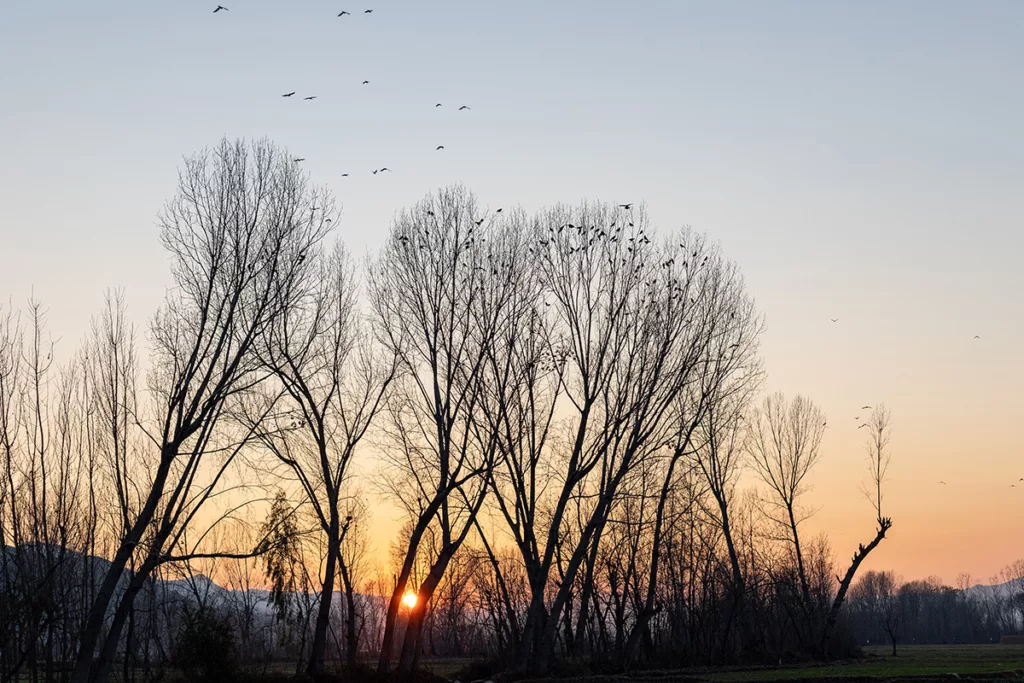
(860, 160)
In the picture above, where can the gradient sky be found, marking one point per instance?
(860, 160)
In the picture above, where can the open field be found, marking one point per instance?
(911, 660)
(915, 662)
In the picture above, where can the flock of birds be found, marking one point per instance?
(385, 169)
(310, 98)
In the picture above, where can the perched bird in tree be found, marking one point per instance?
(463, 107)
(311, 97)
(479, 222)
(219, 8)
(343, 13)
(288, 94)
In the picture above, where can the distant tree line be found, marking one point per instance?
(885, 610)
(562, 405)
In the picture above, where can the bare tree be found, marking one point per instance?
(439, 292)
(878, 461)
(332, 386)
(239, 231)
(785, 445)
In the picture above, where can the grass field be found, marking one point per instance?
(911, 660)
(916, 663)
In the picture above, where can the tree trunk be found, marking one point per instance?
(351, 635)
(884, 524)
(414, 629)
(98, 610)
(323, 616)
(387, 644)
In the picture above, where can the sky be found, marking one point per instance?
(858, 160)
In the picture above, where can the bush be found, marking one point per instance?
(206, 646)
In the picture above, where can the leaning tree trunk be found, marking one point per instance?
(413, 631)
(98, 610)
(884, 524)
(323, 616)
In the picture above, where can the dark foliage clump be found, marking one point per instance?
(206, 647)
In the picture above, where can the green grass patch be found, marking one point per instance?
(910, 660)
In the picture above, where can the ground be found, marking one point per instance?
(914, 662)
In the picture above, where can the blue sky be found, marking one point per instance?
(860, 160)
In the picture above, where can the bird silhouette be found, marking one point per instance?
(366, 82)
(862, 426)
(385, 169)
(343, 13)
(835, 320)
(498, 211)
(344, 175)
(437, 105)
(440, 147)
(288, 94)
(219, 8)
(865, 407)
(627, 207)
(943, 483)
(369, 11)
(311, 97)
(977, 337)
(463, 107)
(298, 159)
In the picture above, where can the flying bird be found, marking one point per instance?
(498, 211)
(463, 107)
(369, 11)
(385, 169)
(977, 337)
(219, 8)
(835, 320)
(440, 147)
(366, 82)
(298, 159)
(865, 407)
(943, 483)
(437, 105)
(344, 175)
(863, 426)
(288, 94)
(343, 13)
(311, 97)
(627, 207)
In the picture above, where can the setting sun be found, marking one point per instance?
(409, 599)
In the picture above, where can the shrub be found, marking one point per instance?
(206, 646)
